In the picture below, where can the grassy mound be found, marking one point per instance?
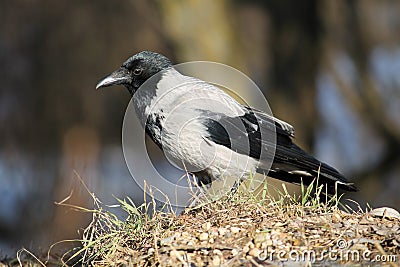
(243, 229)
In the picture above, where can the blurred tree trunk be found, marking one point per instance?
(202, 30)
(294, 44)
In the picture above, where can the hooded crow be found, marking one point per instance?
(212, 134)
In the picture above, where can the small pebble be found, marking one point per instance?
(214, 233)
(260, 237)
(296, 242)
(336, 218)
(185, 234)
(222, 231)
(167, 241)
(255, 252)
(234, 252)
(203, 237)
(235, 230)
(217, 252)
(216, 261)
(176, 254)
(385, 212)
(206, 226)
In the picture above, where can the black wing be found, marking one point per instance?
(253, 134)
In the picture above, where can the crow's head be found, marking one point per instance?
(136, 70)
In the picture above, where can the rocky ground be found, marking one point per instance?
(241, 231)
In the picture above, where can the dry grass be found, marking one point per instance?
(239, 230)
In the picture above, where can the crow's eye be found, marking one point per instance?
(137, 72)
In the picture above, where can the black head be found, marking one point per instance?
(136, 70)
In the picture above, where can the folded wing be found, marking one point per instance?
(254, 134)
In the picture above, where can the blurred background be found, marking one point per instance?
(330, 68)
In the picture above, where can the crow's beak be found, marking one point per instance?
(120, 76)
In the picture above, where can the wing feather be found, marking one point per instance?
(254, 131)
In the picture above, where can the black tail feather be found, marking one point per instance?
(292, 164)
